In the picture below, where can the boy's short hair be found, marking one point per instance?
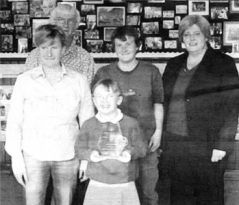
(108, 84)
(49, 32)
(122, 32)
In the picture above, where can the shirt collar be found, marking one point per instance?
(114, 121)
(38, 71)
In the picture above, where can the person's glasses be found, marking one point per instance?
(69, 22)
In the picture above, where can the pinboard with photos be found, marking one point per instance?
(156, 21)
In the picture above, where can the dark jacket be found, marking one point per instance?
(211, 100)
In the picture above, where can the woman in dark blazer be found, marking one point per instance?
(201, 113)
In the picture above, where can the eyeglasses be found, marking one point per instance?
(69, 22)
(190, 35)
(107, 97)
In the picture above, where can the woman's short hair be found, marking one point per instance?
(48, 32)
(108, 84)
(122, 32)
(64, 8)
(198, 20)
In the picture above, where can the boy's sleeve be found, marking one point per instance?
(138, 144)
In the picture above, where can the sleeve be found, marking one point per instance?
(138, 144)
(15, 120)
(91, 68)
(229, 107)
(31, 61)
(158, 95)
(86, 110)
(83, 151)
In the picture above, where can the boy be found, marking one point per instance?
(111, 142)
(142, 89)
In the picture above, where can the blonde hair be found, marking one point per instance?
(198, 20)
(64, 8)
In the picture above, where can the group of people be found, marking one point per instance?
(67, 121)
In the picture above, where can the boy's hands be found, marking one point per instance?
(96, 157)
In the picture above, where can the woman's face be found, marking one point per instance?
(194, 39)
(67, 22)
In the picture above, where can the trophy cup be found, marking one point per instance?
(111, 142)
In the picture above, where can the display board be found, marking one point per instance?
(156, 21)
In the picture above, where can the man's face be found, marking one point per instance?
(126, 50)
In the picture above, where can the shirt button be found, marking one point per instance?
(187, 100)
(189, 118)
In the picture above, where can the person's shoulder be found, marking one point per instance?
(75, 74)
(106, 68)
(91, 122)
(129, 121)
(219, 55)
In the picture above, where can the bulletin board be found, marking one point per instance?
(156, 21)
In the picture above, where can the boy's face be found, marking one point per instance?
(51, 52)
(106, 101)
(126, 50)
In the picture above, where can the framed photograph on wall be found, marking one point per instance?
(156, 1)
(133, 20)
(110, 16)
(219, 1)
(219, 12)
(234, 6)
(78, 37)
(91, 34)
(108, 33)
(150, 27)
(20, 7)
(93, 1)
(153, 43)
(200, 7)
(230, 32)
(134, 7)
(152, 12)
(94, 46)
(6, 43)
(170, 44)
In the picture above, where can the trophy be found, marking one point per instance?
(112, 143)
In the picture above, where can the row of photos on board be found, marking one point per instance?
(156, 21)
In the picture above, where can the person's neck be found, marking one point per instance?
(128, 66)
(194, 58)
(109, 117)
(68, 41)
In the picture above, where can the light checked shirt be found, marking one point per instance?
(76, 58)
(42, 119)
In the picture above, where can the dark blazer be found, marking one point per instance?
(211, 100)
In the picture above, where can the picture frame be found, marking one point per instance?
(199, 7)
(78, 37)
(219, 1)
(6, 43)
(6, 28)
(168, 14)
(181, 9)
(23, 32)
(156, 1)
(21, 20)
(170, 44)
(94, 46)
(150, 27)
(20, 7)
(151, 12)
(115, 1)
(134, 7)
(87, 9)
(110, 16)
(168, 24)
(36, 23)
(108, 33)
(41, 8)
(22, 45)
(93, 1)
(219, 12)
(216, 28)
(91, 34)
(91, 21)
(230, 32)
(133, 20)
(235, 48)
(173, 34)
(216, 42)
(5, 16)
(153, 43)
(234, 6)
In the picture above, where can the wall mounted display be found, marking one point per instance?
(234, 6)
(230, 32)
(200, 7)
(111, 16)
(156, 21)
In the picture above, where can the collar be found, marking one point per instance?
(38, 71)
(114, 121)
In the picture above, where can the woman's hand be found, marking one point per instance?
(19, 170)
(217, 155)
(124, 157)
